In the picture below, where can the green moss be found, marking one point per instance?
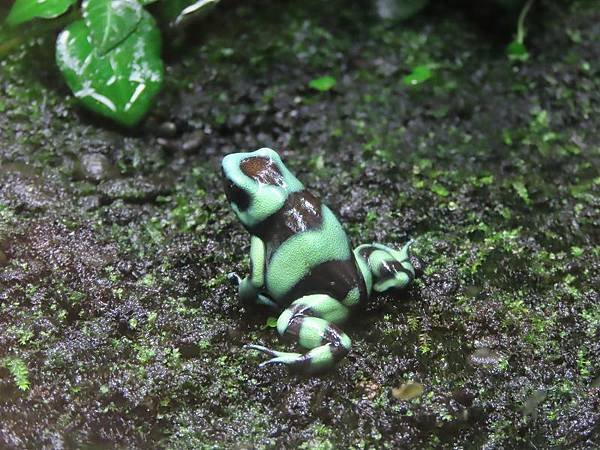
(19, 371)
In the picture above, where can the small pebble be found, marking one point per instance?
(485, 357)
(95, 167)
(193, 141)
(167, 130)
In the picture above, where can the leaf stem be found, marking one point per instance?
(521, 22)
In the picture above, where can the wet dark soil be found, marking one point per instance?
(119, 328)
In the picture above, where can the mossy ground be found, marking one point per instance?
(119, 327)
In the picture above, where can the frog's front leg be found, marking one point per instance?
(251, 288)
(383, 267)
(311, 321)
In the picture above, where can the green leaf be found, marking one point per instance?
(323, 84)
(440, 190)
(576, 251)
(418, 75)
(25, 10)
(516, 51)
(408, 391)
(110, 21)
(521, 189)
(119, 85)
(271, 322)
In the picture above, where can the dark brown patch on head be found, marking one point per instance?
(262, 170)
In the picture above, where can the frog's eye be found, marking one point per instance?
(237, 195)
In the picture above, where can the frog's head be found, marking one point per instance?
(257, 184)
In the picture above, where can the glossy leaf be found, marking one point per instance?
(170, 10)
(271, 322)
(323, 83)
(516, 51)
(418, 75)
(25, 10)
(120, 84)
(194, 10)
(110, 21)
(399, 9)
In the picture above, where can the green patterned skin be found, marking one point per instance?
(301, 262)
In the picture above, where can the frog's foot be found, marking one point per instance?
(318, 359)
(278, 357)
(383, 267)
(310, 321)
(249, 294)
(247, 291)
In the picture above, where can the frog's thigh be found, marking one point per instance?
(384, 268)
(311, 322)
(322, 306)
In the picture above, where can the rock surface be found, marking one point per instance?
(113, 286)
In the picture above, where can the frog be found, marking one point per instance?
(302, 264)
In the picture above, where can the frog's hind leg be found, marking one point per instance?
(311, 322)
(384, 268)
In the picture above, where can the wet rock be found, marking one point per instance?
(90, 202)
(95, 167)
(62, 248)
(485, 357)
(142, 348)
(530, 408)
(137, 190)
(167, 130)
(386, 67)
(490, 341)
(24, 188)
(418, 264)
(297, 402)
(192, 141)
(464, 396)
(26, 271)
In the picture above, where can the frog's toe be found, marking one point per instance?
(286, 358)
(278, 357)
(260, 348)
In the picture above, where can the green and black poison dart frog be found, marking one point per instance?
(301, 262)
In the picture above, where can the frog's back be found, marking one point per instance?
(308, 253)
